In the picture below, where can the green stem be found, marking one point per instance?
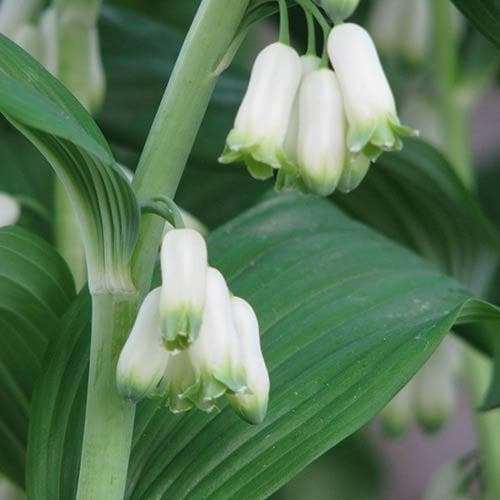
(311, 34)
(454, 114)
(487, 424)
(179, 118)
(284, 23)
(108, 419)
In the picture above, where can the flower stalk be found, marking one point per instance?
(109, 419)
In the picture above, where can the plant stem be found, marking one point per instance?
(454, 114)
(284, 24)
(179, 118)
(487, 424)
(108, 419)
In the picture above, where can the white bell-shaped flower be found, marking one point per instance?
(321, 151)
(373, 123)
(309, 63)
(10, 210)
(184, 271)
(261, 124)
(338, 10)
(16, 13)
(251, 405)
(143, 359)
(397, 416)
(434, 386)
(429, 398)
(216, 355)
(178, 378)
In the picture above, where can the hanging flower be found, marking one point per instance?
(321, 151)
(430, 396)
(216, 355)
(143, 359)
(261, 124)
(251, 405)
(373, 123)
(183, 268)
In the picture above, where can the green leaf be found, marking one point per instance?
(31, 305)
(484, 15)
(415, 198)
(347, 317)
(53, 120)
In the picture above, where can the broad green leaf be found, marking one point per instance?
(53, 120)
(415, 198)
(484, 15)
(347, 317)
(35, 290)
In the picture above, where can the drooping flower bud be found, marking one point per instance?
(338, 10)
(251, 405)
(16, 13)
(143, 359)
(429, 398)
(397, 416)
(184, 271)
(402, 27)
(373, 123)
(321, 148)
(309, 64)
(9, 210)
(216, 355)
(434, 386)
(261, 124)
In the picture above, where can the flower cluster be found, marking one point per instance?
(318, 128)
(430, 397)
(193, 341)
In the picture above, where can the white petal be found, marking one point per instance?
(262, 120)
(251, 405)
(309, 64)
(183, 267)
(143, 359)
(368, 98)
(321, 140)
(216, 353)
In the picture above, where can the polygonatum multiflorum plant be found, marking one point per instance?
(174, 327)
